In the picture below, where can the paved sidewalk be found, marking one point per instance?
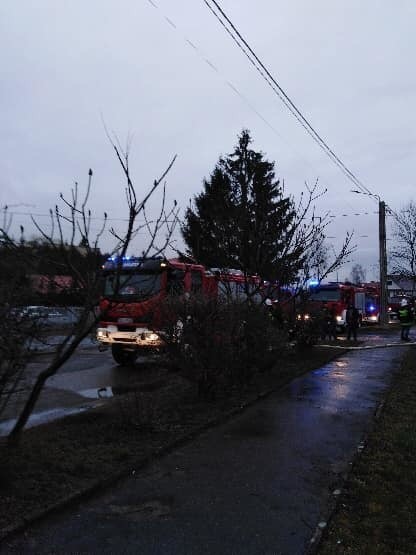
(259, 484)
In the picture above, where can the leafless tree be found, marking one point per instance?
(357, 274)
(307, 243)
(308, 239)
(403, 254)
(70, 226)
(17, 330)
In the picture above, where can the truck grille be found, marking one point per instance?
(124, 339)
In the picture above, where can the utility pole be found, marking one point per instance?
(382, 261)
(383, 316)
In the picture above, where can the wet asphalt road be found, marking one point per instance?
(88, 378)
(258, 484)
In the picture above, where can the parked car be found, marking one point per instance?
(45, 315)
(34, 312)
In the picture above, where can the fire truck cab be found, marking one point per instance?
(336, 297)
(133, 290)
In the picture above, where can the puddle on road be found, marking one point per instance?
(328, 369)
(93, 393)
(41, 418)
(97, 393)
(110, 391)
(341, 363)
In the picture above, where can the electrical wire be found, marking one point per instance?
(237, 92)
(100, 218)
(272, 82)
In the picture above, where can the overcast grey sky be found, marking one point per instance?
(348, 66)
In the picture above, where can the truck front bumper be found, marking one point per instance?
(142, 338)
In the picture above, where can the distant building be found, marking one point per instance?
(397, 285)
(44, 284)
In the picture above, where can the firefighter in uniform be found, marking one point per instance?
(352, 318)
(406, 319)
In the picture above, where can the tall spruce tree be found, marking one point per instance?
(242, 218)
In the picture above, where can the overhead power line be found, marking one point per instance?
(278, 91)
(236, 36)
(78, 218)
(235, 89)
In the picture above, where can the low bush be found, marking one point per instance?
(218, 343)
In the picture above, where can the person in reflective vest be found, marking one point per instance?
(406, 319)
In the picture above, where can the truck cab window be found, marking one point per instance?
(175, 285)
(196, 283)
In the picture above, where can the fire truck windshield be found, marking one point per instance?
(132, 286)
(326, 295)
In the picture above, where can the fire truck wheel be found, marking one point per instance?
(123, 356)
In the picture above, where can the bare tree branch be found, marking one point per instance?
(86, 274)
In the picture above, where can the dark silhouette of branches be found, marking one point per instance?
(79, 256)
(403, 254)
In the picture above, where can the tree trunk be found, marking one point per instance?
(59, 360)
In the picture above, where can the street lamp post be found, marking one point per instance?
(382, 256)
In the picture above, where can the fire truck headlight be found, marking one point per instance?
(153, 336)
(302, 317)
(102, 333)
(339, 318)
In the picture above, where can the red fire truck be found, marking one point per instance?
(336, 297)
(133, 293)
(372, 303)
